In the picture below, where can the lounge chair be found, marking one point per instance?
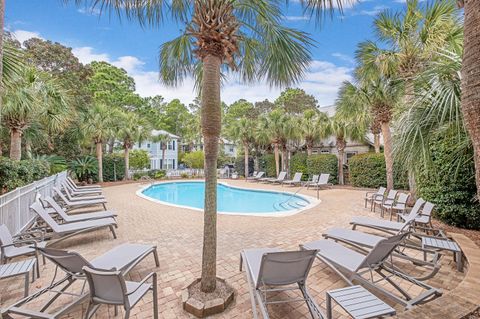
(69, 204)
(388, 200)
(279, 179)
(351, 266)
(52, 207)
(297, 180)
(388, 226)
(79, 187)
(424, 218)
(256, 178)
(74, 197)
(399, 205)
(273, 270)
(16, 246)
(64, 231)
(110, 287)
(322, 181)
(313, 181)
(122, 258)
(81, 192)
(370, 197)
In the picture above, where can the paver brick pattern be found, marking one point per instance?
(177, 232)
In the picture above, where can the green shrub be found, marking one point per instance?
(15, 174)
(240, 165)
(450, 186)
(194, 159)
(84, 168)
(267, 165)
(136, 176)
(57, 163)
(157, 173)
(323, 163)
(113, 167)
(298, 163)
(368, 170)
(139, 159)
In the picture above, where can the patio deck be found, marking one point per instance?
(177, 233)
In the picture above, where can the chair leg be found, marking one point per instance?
(113, 231)
(127, 313)
(104, 206)
(155, 296)
(91, 309)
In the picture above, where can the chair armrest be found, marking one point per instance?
(150, 275)
(40, 231)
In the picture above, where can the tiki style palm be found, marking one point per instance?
(132, 129)
(98, 126)
(163, 139)
(471, 80)
(242, 131)
(309, 126)
(32, 97)
(272, 127)
(245, 36)
(345, 129)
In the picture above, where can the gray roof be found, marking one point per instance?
(162, 132)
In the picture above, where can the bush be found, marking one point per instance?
(240, 165)
(113, 167)
(139, 159)
(84, 168)
(368, 170)
(451, 187)
(15, 174)
(323, 163)
(157, 173)
(267, 165)
(298, 163)
(194, 159)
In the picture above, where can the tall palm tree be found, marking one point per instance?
(310, 125)
(33, 97)
(132, 129)
(272, 127)
(98, 126)
(241, 131)
(471, 79)
(163, 139)
(245, 36)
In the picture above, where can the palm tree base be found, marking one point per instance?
(202, 304)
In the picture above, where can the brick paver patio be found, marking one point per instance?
(177, 233)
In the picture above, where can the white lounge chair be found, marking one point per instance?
(370, 197)
(297, 180)
(257, 177)
(322, 182)
(69, 204)
(52, 207)
(279, 179)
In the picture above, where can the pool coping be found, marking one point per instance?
(312, 200)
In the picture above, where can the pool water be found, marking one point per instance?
(229, 199)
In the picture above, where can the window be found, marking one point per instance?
(173, 163)
(350, 154)
(169, 145)
(148, 145)
(324, 152)
(231, 149)
(139, 144)
(173, 144)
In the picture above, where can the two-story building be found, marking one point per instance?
(158, 160)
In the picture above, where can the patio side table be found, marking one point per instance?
(358, 302)
(19, 268)
(444, 244)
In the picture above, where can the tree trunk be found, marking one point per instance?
(2, 23)
(471, 80)
(309, 150)
(245, 147)
(211, 126)
(99, 152)
(277, 158)
(376, 142)
(111, 143)
(126, 156)
(388, 153)
(28, 149)
(15, 144)
(163, 158)
(341, 153)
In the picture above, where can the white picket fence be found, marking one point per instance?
(15, 205)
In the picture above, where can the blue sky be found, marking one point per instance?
(126, 44)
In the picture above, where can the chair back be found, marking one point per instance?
(37, 207)
(49, 201)
(69, 261)
(260, 174)
(381, 191)
(297, 177)
(6, 237)
(415, 210)
(282, 176)
(285, 268)
(382, 251)
(67, 190)
(315, 178)
(427, 209)
(254, 173)
(402, 199)
(61, 195)
(107, 286)
(323, 179)
(392, 194)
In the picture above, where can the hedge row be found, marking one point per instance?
(368, 170)
(15, 174)
(113, 167)
(298, 163)
(240, 165)
(267, 165)
(323, 164)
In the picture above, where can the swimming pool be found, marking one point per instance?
(230, 200)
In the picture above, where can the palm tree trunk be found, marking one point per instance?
(15, 144)
(471, 80)
(388, 153)
(277, 158)
(111, 143)
(126, 156)
(309, 150)
(163, 157)
(211, 126)
(28, 149)
(376, 142)
(99, 152)
(341, 153)
(245, 147)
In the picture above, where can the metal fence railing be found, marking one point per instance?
(15, 205)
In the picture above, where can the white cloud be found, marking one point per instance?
(344, 57)
(372, 12)
(296, 18)
(23, 35)
(322, 79)
(87, 11)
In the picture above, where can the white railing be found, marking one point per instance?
(190, 172)
(15, 205)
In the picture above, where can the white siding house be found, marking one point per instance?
(155, 151)
(228, 147)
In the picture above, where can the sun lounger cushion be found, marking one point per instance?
(337, 253)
